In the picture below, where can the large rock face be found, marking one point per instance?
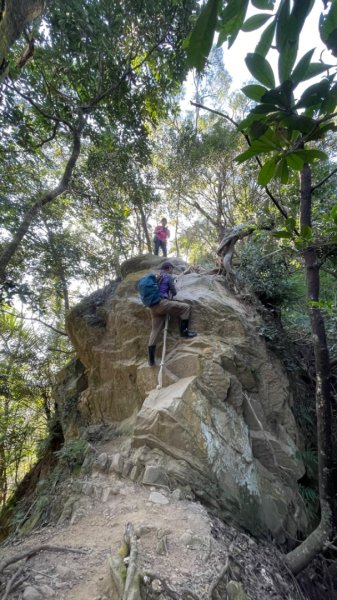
(222, 421)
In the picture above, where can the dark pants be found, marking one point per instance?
(159, 244)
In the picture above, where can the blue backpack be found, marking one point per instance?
(148, 288)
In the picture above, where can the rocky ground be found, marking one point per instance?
(182, 551)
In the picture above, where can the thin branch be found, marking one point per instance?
(50, 138)
(60, 331)
(314, 187)
(129, 70)
(38, 108)
(217, 112)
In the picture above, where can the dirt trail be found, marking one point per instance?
(179, 545)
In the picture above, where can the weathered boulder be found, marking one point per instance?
(222, 422)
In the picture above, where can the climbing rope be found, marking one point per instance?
(167, 318)
(162, 362)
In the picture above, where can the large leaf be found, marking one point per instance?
(300, 12)
(282, 171)
(258, 146)
(255, 22)
(281, 96)
(260, 68)
(267, 172)
(200, 41)
(310, 156)
(315, 69)
(299, 123)
(282, 25)
(301, 68)
(287, 58)
(330, 103)
(328, 28)
(231, 21)
(266, 39)
(294, 161)
(314, 95)
(257, 129)
(255, 92)
(264, 109)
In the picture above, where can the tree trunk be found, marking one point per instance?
(31, 213)
(14, 16)
(144, 226)
(314, 543)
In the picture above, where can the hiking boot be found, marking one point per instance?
(184, 330)
(152, 352)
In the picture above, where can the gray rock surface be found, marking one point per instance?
(222, 422)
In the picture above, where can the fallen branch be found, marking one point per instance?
(36, 550)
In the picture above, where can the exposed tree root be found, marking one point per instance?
(35, 550)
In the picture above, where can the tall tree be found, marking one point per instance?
(98, 67)
(284, 132)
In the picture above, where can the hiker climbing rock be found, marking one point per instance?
(155, 294)
(161, 235)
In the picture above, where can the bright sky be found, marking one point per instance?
(234, 58)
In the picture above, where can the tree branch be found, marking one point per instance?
(60, 331)
(217, 112)
(31, 213)
(314, 187)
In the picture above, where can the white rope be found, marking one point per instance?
(162, 362)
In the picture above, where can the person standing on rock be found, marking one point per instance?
(161, 235)
(167, 307)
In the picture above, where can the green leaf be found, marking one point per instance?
(306, 232)
(255, 22)
(260, 68)
(266, 40)
(281, 96)
(264, 109)
(294, 161)
(264, 4)
(310, 156)
(301, 68)
(299, 123)
(267, 172)
(334, 213)
(315, 69)
(332, 42)
(314, 95)
(282, 171)
(287, 59)
(282, 234)
(328, 28)
(282, 25)
(330, 103)
(257, 129)
(255, 91)
(290, 224)
(232, 18)
(245, 156)
(200, 41)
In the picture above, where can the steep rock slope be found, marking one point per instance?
(222, 422)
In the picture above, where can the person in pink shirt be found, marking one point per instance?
(161, 235)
